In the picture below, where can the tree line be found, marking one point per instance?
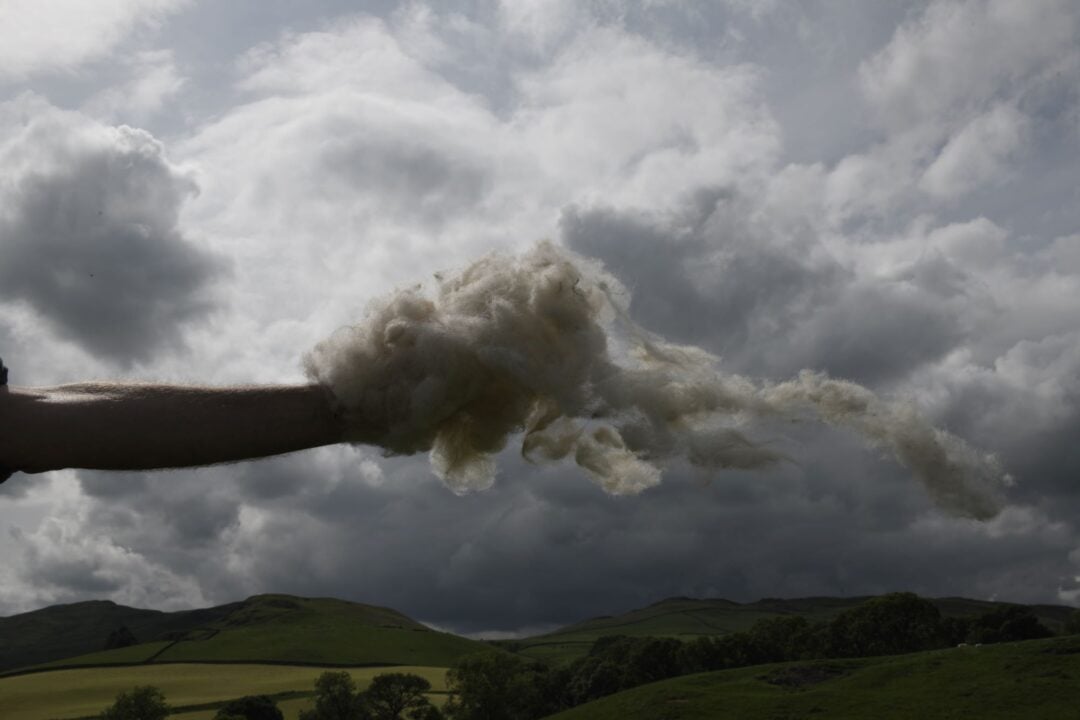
(497, 685)
(390, 696)
(501, 687)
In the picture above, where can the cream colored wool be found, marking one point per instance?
(541, 345)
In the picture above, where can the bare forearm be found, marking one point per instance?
(111, 426)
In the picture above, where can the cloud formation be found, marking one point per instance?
(59, 35)
(882, 192)
(89, 233)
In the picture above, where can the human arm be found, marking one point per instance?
(142, 426)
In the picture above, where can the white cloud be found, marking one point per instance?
(977, 154)
(543, 24)
(959, 55)
(354, 150)
(67, 557)
(58, 35)
(953, 93)
(340, 162)
(614, 116)
(977, 243)
(154, 81)
(876, 183)
(1063, 254)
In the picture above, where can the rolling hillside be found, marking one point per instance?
(687, 618)
(66, 630)
(194, 690)
(270, 629)
(1033, 680)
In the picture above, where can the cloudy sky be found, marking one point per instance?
(888, 192)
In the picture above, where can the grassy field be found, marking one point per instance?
(85, 692)
(264, 629)
(68, 630)
(290, 708)
(323, 642)
(1033, 680)
(687, 618)
(274, 628)
(682, 618)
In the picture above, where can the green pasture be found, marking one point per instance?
(1033, 680)
(131, 655)
(63, 631)
(290, 708)
(688, 618)
(681, 618)
(323, 642)
(298, 630)
(85, 692)
(323, 632)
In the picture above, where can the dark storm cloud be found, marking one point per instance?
(698, 272)
(90, 240)
(725, 270)
(1030, 405)
(543, 547)
(547, 548)
(768, 302)
(185, 507)
(76, 575)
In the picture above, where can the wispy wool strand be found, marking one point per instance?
(540, 345)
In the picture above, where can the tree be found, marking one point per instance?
(429, 712)
(250, 707)
(335, 699)
(120, 637)
(1007, 624)
(144, 702)
(593, 677)
(955, 630)
(652, 659)
(779, 638)
(392, 694)
(888, 625)
(1072, 624)
(496, 686)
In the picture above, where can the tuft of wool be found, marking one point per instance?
(540, 345)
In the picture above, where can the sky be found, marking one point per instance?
(199, 192)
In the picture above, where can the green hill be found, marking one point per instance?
(281, 629)
(1033, 680)
(66, 630)
(687, 618)
(194, 690)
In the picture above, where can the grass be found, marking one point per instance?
(63, 631)
(131, 655)
(682, 618)
(204, 657)
(289, 708)
(87, 691)
(283, 629)
(1034, 679)
(687, 618)
(327, 644)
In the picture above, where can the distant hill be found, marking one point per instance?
(325, 631)
(264, 628)
(66, 630)
(1032, 679)
(687, 618)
